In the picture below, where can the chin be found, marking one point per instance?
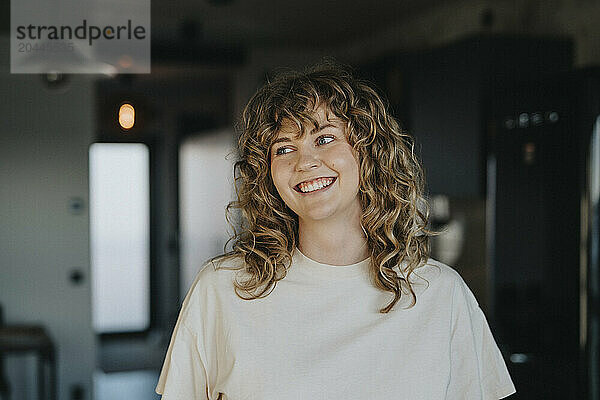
(316, 216)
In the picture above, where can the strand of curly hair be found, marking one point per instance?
(395, 212)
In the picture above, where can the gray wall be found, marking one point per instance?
(44, 139)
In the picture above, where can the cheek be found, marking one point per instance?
(346, 162)
(278, 174)
(273, 175)
(351, 169)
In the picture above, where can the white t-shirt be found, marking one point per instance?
(319, 335)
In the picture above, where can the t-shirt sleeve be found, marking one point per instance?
(184, 372)
(478, 370)
(183, 375)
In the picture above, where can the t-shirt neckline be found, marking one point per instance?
(327, 270)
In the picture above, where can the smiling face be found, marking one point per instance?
(317, 174)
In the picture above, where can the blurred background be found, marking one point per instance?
(113, 188)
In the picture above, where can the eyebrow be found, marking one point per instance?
(287, 139)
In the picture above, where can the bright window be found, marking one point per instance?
(120, 236)
(205, 188)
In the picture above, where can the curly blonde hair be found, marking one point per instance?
(394, 210)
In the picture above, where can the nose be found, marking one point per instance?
(307, 160)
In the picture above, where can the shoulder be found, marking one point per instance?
(437, 279)
(436, 272)
(213, 279)
(213, 282)
(217, 272)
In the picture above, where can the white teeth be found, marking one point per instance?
(317, 184)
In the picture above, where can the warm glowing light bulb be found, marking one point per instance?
(126, 116)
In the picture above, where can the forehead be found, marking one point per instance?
(299, 125)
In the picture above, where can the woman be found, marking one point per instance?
(329, 292)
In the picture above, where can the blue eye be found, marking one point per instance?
(281, 150)
(320, 138)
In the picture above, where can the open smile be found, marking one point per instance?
(315, 186)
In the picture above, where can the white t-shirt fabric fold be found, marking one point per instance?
(319, 335)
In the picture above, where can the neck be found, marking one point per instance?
(334, 242)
